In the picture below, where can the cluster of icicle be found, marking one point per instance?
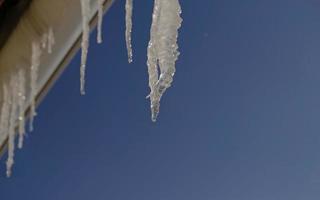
(14, 95)
(162, 49)
(162, 55)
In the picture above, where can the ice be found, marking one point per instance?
(35, 63)
(129, 8)
(85, 11)
(100, 18)
(44, 40)
(162, 55)
(47, 40)
(51, 40)
(13, 101)
(21, 105)
(5, 113)
(152, 55)
(14, 98)
(162, 49)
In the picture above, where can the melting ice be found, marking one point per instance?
(162, 49)
(162, 54)
(13, 101)
(100, 18)
(21, 105)
(35, 63)
(129, 8)
(85, 11)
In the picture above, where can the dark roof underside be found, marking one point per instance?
(10, 13)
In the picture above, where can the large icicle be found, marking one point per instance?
(129, 8)
(35, 63)
(12, 123)
(152, 58)
(21, 104)
(163, 49)
(85, 10)
(100, 18)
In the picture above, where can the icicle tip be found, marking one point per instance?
(10, 163)
(155, 107)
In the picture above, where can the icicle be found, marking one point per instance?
(47, 40)
(44, 40)
(100, 18)
(12, 120)
(152, 59)
(5, 113)
(51, 40)
(35, 63)
(129, 8)
(21, 106)
(85, 9)
(163, 49)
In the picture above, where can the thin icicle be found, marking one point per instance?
(12, 120)
(51, 40)
(44, 40)
(35, 63)
(47, 40)
(129, 8)
(5, 113)
(21, 107)
(163, 49)
(100, 18)
(85, 10)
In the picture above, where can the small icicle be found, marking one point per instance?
(12, 120)
(129, 8)
(44, 40)
(85, 10)
(164, 48)
(35, 63)
(5, 113)
(51, 40)
(21, 106)
(100, 18)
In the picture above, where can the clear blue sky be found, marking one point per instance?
(241, 121)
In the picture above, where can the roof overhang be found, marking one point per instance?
(64, 17)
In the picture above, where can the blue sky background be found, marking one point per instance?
(241, 121)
